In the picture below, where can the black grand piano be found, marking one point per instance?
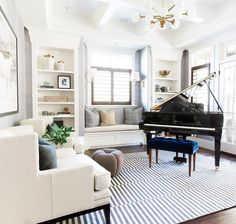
(180, 117)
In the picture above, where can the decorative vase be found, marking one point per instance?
(164, 89)
(60, 65)
(157, 88)
(59, 146)
(49, 62)
(164, 73)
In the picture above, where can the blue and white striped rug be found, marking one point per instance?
(165, 194)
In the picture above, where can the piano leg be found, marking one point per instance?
(217, 153)
(148, 136)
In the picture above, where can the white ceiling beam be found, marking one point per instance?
(104, 13)
(107, 8)
(130, 5)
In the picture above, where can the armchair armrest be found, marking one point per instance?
(80, 145)
(72, 189)
(18, 150)
(77, 143)
(70, 143)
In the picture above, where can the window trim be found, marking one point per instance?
(112, 70)
(198, 67)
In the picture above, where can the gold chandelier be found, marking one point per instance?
(164, 17)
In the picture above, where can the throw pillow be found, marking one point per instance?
(92, 117)
(47, 157)
(119, 115)
(107, 117)
(42, 141)
(49, 128)
(133, 115)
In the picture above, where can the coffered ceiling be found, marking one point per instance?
(114, 17)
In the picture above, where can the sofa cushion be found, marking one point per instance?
(102, 177)
(133, 115)
(92, 117)
(120, 127)
(65, 153)
(47, 157)
(107, 117)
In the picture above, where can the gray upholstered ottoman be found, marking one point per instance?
(111, 159)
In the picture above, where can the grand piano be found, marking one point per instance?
(180, 117)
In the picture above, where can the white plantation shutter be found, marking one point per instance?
(102, 87)
(112, 83)
(111, 86)
(202, 94)
(201, 68)
(121, 87)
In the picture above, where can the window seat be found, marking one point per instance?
(118, 127)
(120, 134)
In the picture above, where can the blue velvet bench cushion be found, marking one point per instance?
(174, 145)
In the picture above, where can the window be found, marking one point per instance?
(230, 50)
(202, 94)
(109, 60)
(201, 57)
(227, 93)
(200, 69)
(111, 85)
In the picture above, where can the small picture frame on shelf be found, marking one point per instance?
(64, 82)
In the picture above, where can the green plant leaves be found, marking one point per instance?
(58, 135)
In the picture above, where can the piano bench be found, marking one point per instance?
(173, 145)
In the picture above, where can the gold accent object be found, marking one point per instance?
(162, 20)
(164, 73)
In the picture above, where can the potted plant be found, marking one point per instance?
(58, 135)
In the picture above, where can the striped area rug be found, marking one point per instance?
(165, 194)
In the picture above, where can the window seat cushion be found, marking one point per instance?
(113, 128)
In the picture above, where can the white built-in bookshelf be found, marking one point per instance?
(49, 98)
(171, 82)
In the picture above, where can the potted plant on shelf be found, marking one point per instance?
(58, 135)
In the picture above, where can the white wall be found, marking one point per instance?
(13, 17)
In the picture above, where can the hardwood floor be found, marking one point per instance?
(227, 216)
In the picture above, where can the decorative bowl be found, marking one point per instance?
(164, 73)
(164, 89)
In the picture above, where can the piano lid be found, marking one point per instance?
(189, 92)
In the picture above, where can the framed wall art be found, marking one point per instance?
(8, 68)
(64, 82)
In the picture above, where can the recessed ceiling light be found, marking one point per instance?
(124, 20)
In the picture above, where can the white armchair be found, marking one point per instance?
(39, 126)
(28, 195)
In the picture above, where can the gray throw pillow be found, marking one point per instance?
(92, 117)
(42, 141)
(47, 157)
(133, 115)
(119, 115)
